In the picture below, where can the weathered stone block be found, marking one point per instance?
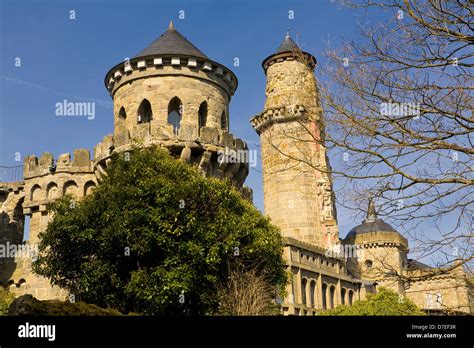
(209, 135)
(81, 158)
(186, 154)
(187, 132)
(121, 138)
(227, 140)
(46, 160)
(63, 161)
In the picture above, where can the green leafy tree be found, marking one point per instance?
(384, 302)
(157, 237)
(6, 299)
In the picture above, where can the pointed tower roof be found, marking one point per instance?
(171, 42)
(287, 50)
(287, 45)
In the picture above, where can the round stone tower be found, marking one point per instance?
(298, 194)
(171, 94)
(381, 252)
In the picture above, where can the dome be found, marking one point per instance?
(377, 225)
(371, 223)
(169, 43)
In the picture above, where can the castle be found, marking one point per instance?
(173, 96)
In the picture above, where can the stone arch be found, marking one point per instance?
(351, 297)
(16, 225)
(304, 283)
(343, 296)
(12, 227)
(324, 295)
(175, 114)
(52, 191)
(89, 187)
(332, 292)
(70, 188)
(36, 193)
(122, 113)
(312, 294)
(144, 113)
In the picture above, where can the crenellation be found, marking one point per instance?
(82, 160)
(64, 161)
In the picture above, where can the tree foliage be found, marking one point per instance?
(28, 305)
(385, 302)
(6, 298)
(157, 237)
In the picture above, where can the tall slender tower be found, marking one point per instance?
(298, 193)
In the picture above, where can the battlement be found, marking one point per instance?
(155, 133)
(178, 65)
(204, 150)
(277, 115)
(46, 164)
(16, 186)
(104, 149)
(296, 54)
(378, 239)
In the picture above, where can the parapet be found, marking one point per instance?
(104, 149)
(378, 239)
(179, 65)
(46, 164)
(277, 115)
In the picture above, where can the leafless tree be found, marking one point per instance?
(246, 292)
(398, 122)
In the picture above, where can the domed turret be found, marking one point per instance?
(382, 251)
(371, 224)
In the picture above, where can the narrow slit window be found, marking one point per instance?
(224, 122)
(202, 115)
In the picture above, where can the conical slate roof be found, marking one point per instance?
(288, 45)
(171, 42)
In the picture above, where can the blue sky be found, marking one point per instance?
(68, 59)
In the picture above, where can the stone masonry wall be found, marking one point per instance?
(297, 196)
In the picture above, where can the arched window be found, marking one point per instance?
(332, 290)
(351, 295)
(122, 114)
(303, 291)
(324, 290)
(52, 191)
(175, 113)
(312, 291)
(36, 193)
(144, 112)
(343, 296)
(224, 124)
(202, 115)
(70, 188)
(89, 187)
